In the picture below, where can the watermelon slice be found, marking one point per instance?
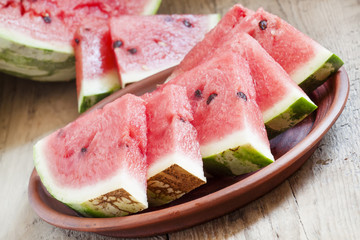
(307, 62)
(174, 161)
(96, 72)
(283, 104)
(36, 36)
(145, 45)
(230, 128)
(97, 164)
(211, 40)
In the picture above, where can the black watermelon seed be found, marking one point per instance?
(117, 44)
(181, 119)
(198, 93)
(263, 24)
(87, 29)
(47, 19)
(241, 95)
(210, 98)
(132, 50)
(84, 150)
(77, 40)
(187, 23)
(126, 145)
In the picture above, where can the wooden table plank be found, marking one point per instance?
(320, 201)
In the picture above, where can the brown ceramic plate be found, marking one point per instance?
(219, 196)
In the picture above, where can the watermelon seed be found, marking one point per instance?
(263, 24)
(198, 93)
(46, 18)
(210, 98)
(87, 29)
(181, 119)
(77, 40)
(84, 150)
(242, 95)
(117, 44)
(132, 50)
(187, 23)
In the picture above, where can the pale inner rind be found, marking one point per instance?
(234, 140)
(179, 159)
(103, 84)
(26, 40)
(302, 73)
(74, 196)
(282, 105)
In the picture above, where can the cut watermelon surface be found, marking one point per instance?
(36, 36)
(283, 104)
(174, 161)
(211, 40)
(145, 45)
(307, 62)
(97, 164)
(229, 123)
(96, 71)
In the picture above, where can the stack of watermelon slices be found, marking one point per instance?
(218, 105)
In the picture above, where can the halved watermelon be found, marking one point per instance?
(307, 62)
(96, 71)
(145, 45)
(97, 164)
(174, 161)
(230, 128)
(36, 36)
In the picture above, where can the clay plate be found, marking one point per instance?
(219, 196)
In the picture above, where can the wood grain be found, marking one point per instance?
(320, 201)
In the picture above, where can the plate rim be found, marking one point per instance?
(127, 226)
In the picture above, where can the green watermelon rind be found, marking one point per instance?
(97, 89)
(328, 68)
(294, 114)
(31, 62)
(246, 157)
(152, 8)
(22, 56)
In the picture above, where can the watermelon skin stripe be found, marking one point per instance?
(290, 117)
(241, 160)
(35, 63)
(327, 69)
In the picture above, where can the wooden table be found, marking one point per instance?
(320, 201)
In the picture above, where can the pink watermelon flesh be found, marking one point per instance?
(307, 62)
(211, 40)
(38, 34)
(101, 140)
(88, 153)
(173, 152)
(281, 101)
(145, 45)
(223, 101)
(96, 71)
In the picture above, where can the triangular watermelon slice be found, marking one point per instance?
(97, 164)
(174, 161)
(145, 45)
(307, 62)
(212, 39)
(230, 127)
(36, 36)
(282, 102)
(96, 71)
